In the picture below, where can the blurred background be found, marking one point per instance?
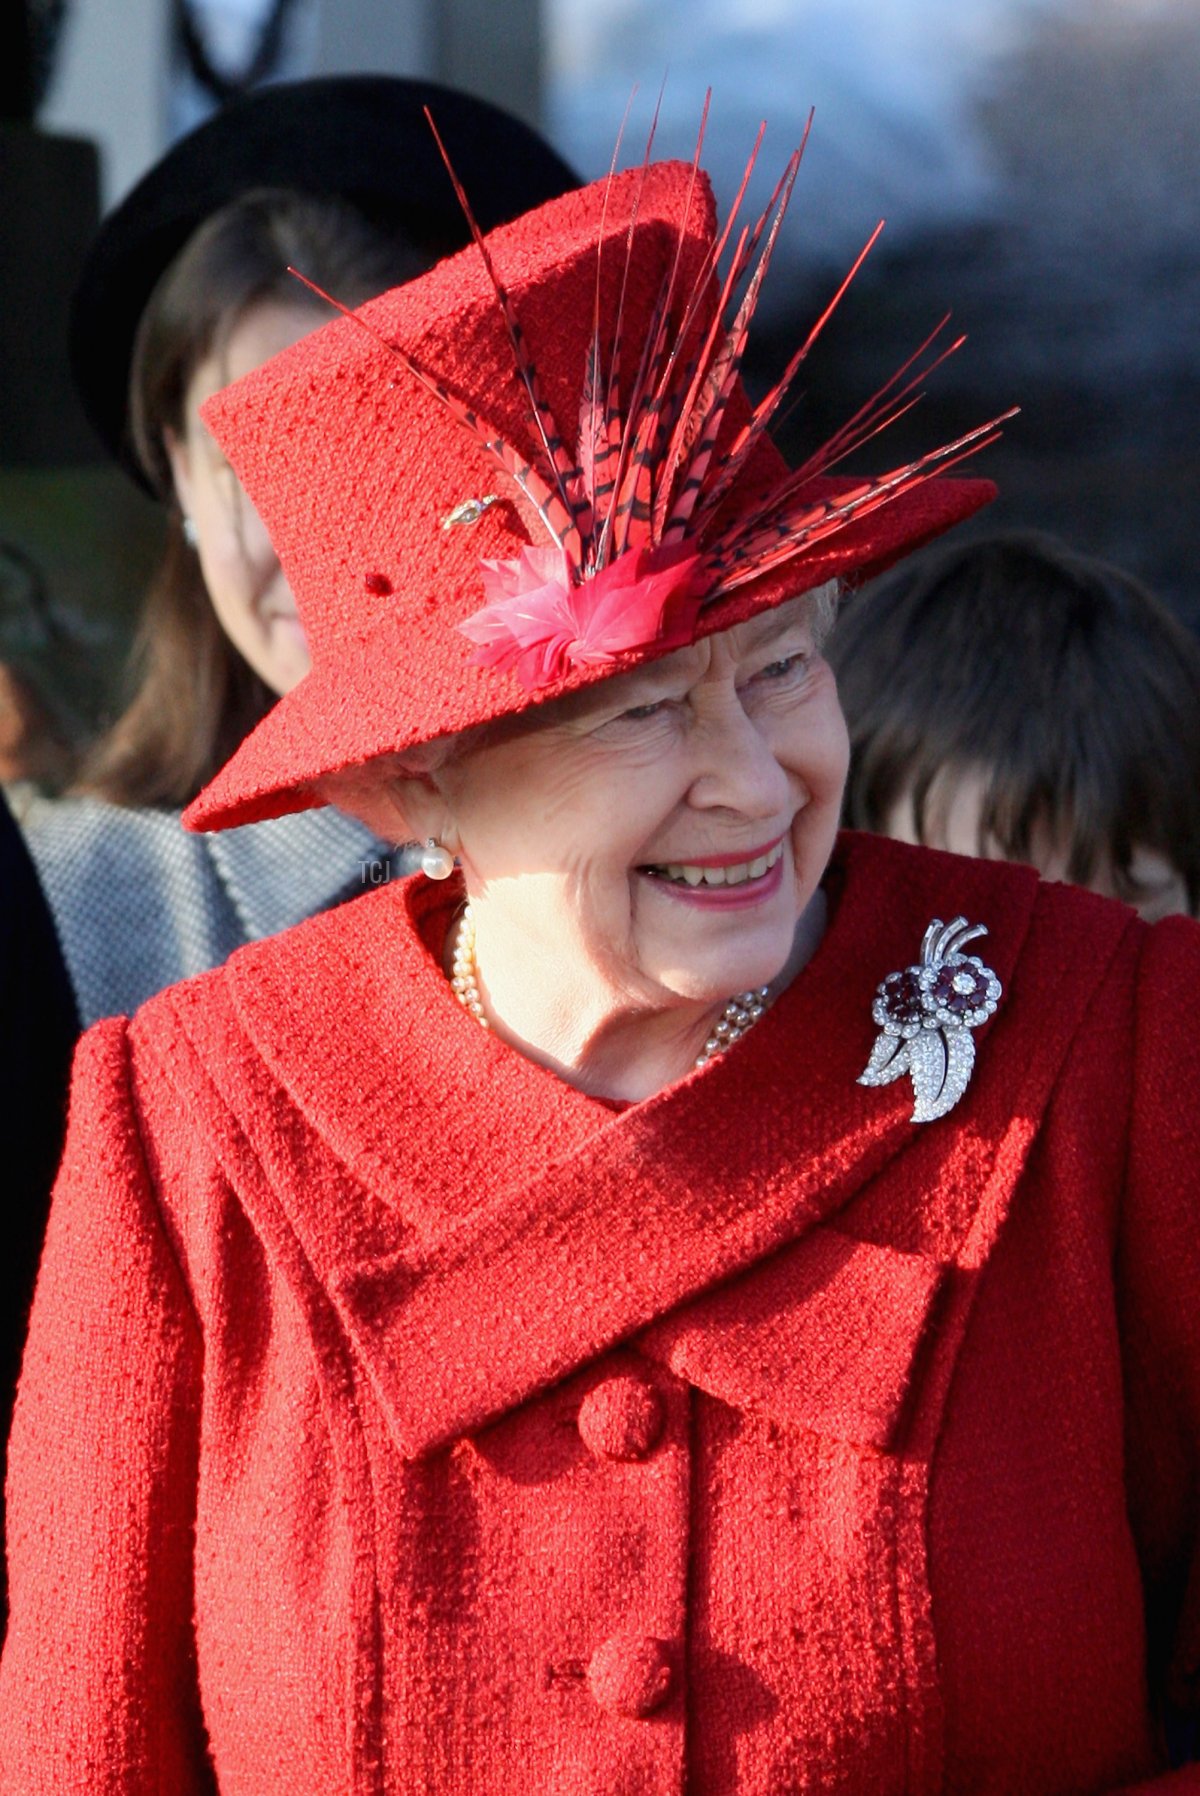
(1037, 162)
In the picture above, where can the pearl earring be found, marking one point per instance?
(436, 862)
(189, 532)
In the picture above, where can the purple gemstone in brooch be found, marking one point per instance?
(925, 1016)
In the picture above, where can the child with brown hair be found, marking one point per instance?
(1011, 698)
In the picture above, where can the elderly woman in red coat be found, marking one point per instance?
(669, 1300)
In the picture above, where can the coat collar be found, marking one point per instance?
(530, 1228)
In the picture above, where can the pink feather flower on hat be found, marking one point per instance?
(538, 623)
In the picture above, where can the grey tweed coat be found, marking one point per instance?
(138, 903)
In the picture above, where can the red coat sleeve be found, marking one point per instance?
(1158, 1288)
(98, 1690)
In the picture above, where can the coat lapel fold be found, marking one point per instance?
(655, 1211)
(824, 1337)
(697, 1222)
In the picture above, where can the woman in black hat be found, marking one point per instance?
(187, 287)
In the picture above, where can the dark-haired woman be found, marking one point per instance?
(1014, 698)
(186, 288)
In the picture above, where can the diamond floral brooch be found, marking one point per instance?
(925, 1017)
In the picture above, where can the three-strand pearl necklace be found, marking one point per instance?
(740, 1014)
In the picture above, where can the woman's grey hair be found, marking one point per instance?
(427, 759)
(825, 601)
(432, 757)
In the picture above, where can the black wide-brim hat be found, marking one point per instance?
(359, 138)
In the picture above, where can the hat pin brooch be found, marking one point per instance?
(925, 1016)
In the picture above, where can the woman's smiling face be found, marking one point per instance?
(654, 840)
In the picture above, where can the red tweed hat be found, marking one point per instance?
(531, 468)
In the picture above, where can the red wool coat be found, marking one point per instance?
(397, 1419)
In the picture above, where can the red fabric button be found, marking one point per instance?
(630, 1674)
(621, 1419)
